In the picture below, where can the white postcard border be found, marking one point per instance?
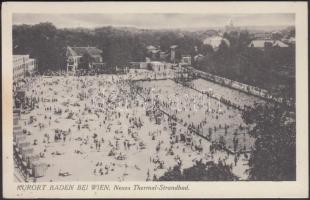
(298, 188)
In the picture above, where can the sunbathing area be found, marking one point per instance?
(207, 116)
(235, 97)
(125, 127)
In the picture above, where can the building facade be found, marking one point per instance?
(173, 50)
(262, 44)
(158, 66)
(23, 65)
(186, 60)
(32, 66)
(75, 56)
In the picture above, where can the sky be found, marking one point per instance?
(155, 21)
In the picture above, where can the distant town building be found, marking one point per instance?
(186, 60)
(215, 42)
(32, 66)
(74, 55)
(198, 58)
(290, 41)
(262, 36)
(23, 65)
(278, 43)
(261, 44)
(173, 53)
(276, 35)
(163, 55)
(211, 33)
(230, 27)
(150, 48)
(147, 59)
(153, 52)
(19, 66)
(159, 66)
(151, 65)
(138, 65)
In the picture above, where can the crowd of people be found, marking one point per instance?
(115, 127)
(226, 95)
(199, 112)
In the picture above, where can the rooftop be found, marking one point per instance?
(261, 43)
(151, 47)
(20, 56)
(279, 44)
(215, 41)
(80, 51)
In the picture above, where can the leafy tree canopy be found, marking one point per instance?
(209, 171)
(274, 153)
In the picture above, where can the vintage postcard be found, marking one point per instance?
(155, 99)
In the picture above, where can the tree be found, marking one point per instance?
(271, 69)
(209, 171)
(166, 40)
(268, 69)
(207, 49)
(173, 174)
(274, 154)
(40, 42)
(276, 36)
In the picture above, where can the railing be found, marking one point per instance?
(252, 90)
(191, 129)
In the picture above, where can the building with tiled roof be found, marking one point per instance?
(261, 44)
(74, 55)
(278, 43)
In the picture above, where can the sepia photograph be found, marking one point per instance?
(153, 97)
